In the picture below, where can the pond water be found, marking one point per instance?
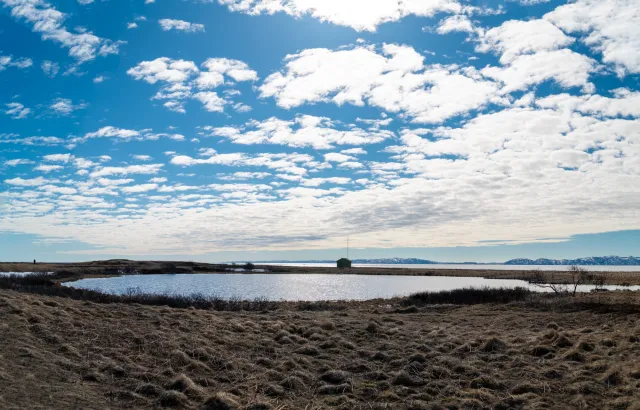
(295, 287)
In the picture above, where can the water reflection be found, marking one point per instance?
(293, 287)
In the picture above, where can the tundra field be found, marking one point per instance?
(498, 349)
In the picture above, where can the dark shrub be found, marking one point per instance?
(468, 296)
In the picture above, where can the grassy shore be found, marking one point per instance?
(73, 271)
(505, 350)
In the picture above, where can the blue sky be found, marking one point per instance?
(209, 130)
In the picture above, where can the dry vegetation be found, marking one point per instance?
(544, 352)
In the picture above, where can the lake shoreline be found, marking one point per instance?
(75, 271)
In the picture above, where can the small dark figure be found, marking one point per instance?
(34, 261)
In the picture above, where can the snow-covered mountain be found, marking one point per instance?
(592, 260)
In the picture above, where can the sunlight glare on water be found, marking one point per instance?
(292, 287)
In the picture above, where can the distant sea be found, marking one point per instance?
(603, 268)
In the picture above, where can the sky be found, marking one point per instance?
(217, 130)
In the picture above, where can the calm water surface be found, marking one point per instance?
(292, 287)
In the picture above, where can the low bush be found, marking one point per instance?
(468, 296)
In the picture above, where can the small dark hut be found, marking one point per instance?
(343, 263)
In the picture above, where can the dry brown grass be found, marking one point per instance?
(64, 354)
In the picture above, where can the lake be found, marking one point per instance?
(295, 287)
(603, 268)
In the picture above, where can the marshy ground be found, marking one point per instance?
(59, 353)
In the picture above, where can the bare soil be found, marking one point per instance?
(57, 353)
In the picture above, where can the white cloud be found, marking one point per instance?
(516, 37)
(337, 157)
(140, 188)
(287, 163)
(48, 168)
(46, 20)
(350, 165)
(460, 23)
(54, 189)
(17, 111)
(240, 107)
(158, 180)
(50, 68)
(360, 15)
(181, 79)
(163, 69)
(65, 107)
(124, 134)
(303, 131)
(16, 162)
(26, 182)
(396, 79)
(612, 27)
(565, 67)
(180, 25)
(58, 157)
(99, 79)
(532, 52)
(114, 182)
(9, 61)
(131, 169)
(624, 103)
(220, 67)
(132, 25)
(354, 151)
(36, 140)
(210, 101)
(314, 182)
(243, 176)
(142, 157)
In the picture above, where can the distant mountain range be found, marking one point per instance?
(593, 260)
(383, 261)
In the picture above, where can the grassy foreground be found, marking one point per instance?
(532, 352)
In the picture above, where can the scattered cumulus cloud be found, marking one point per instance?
(17, 111)
(65, 107)
(361, 15)
(50, 68)
(609, 27)
(10, 61)
(49, 22)
(180, 25)
(303, 131)
(182, 80)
